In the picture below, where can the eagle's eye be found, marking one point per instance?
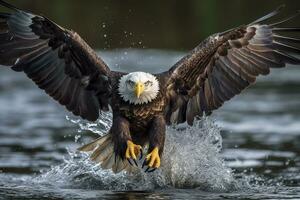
(130, 83)
(148, 83)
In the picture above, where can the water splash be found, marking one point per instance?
(101, 126)
(191, 160)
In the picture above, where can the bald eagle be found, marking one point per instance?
(67, 69)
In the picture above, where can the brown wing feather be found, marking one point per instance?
(56, 59)
(224, 65)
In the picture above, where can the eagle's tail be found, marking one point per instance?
(103, 153)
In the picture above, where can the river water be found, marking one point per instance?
(248, 149)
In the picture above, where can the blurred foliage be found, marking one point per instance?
(166, 24)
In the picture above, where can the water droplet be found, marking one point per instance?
(77, 137)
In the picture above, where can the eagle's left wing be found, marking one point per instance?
(224, 65)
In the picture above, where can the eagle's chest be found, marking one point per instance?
(141, 115)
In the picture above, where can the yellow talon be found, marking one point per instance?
(153, 158)
(132, 150)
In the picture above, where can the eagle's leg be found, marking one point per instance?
(123, 145)
(156, 134)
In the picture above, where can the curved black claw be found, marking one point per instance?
(141, 156)
(148, 168)
(144, 163)
(152, 170)
(128, 159)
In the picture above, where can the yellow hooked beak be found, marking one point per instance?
(139, 89)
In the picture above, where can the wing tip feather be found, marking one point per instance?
(268, 16)
(8, 5)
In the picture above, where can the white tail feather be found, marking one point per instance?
(103, 153)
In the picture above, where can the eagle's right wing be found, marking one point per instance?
(56, 59)
(225, 64)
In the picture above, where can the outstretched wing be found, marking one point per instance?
(224, 65)
(56, 59)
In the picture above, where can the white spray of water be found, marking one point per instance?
(101, 126)
(191, 160)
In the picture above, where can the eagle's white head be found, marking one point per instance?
(138, 88)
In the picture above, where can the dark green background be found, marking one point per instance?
(165, 24)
